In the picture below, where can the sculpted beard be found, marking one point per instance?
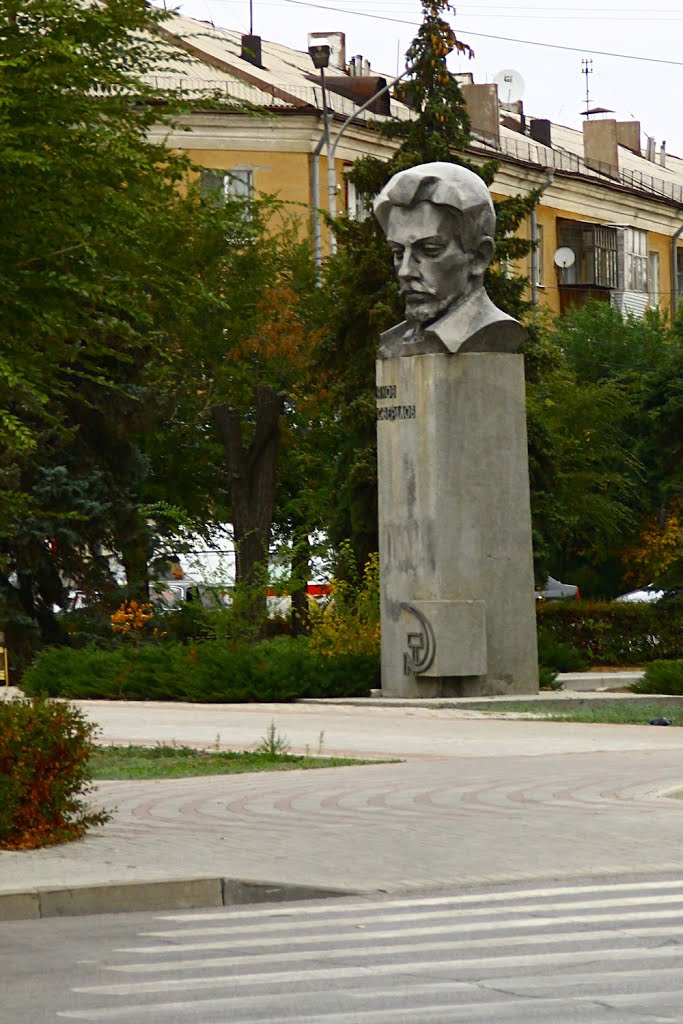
(423, 306)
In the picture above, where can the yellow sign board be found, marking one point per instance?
(4, 666)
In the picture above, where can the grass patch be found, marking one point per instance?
(616, 713)
(175, 762)
(627, 714)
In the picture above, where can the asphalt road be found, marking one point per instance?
(606, 953)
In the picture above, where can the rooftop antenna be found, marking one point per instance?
(251, 17)
(587, 69)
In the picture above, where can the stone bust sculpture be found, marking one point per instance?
(440, 223)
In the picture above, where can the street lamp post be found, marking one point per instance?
(320, 55)
(331, 152)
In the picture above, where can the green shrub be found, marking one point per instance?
(559, 655)
(614, 633)
(349, 623)
(547, 678)
(213, 671)
(71, 672)
(44, 774)
(662, 677)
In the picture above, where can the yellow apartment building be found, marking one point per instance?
(609, 221)
(273, 140)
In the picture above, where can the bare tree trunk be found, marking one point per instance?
(251, 473)
(133, 542)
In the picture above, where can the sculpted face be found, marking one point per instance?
(433, 270)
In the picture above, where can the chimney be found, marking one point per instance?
(600, 147)
(540, 131)
(628, 135)
(512, 116)
(651, 148)
(662, 154)
(251, 50)
(337, 44)
(482, 107)
(361, 89)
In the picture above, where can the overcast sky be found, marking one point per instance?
(507, 35)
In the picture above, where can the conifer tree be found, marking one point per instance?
(360, 285)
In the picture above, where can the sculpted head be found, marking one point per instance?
(440, 223)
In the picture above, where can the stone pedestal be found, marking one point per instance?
(457, 588)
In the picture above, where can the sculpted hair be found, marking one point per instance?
(464, 196)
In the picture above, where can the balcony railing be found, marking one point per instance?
(580, 294)
(562, 160)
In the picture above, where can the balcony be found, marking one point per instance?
(580, 294)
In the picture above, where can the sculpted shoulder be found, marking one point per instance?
(474, 325)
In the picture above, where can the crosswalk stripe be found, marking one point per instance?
(469, 1011)
(457, 926)
(267, 927)
(378, 970)
(564, 938)
(333, 907)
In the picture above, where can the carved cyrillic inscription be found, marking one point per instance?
(392, 412)
(396, 412)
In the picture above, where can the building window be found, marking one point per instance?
(595, 251)
(653, 278)
(605, 257)
(239, 183)
(635, 265)
(356, 204)
(217, 185)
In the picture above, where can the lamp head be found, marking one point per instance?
(320, 55)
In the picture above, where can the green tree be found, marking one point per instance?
(100, 244)
(244, 384)
(607, 408)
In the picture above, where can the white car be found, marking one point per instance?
(556, 591)
(649, 594)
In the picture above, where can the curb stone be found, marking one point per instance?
(173, 894)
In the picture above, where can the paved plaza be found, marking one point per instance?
(473, 799)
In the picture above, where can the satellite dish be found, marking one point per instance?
(510, 85)
(564, 257)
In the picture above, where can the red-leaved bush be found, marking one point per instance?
(45, 747)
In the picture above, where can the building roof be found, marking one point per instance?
(566, 154)
(202, 59)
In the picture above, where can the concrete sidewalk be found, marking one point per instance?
(476, 799)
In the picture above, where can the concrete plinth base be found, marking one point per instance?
(457, 587)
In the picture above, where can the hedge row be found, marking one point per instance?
(44, 775)
(616, 633)
(214, 672)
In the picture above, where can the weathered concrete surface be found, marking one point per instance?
(455, 526)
